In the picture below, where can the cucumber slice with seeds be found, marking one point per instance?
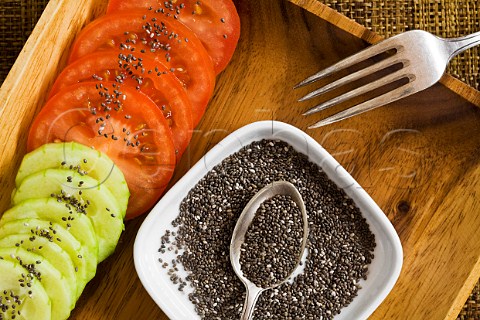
(22, 301)
(71, 154)
(62, 296)
(48, 250)
(85, 263)
(68, 186)
(50, 209)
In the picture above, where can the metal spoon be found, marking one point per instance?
(238, 237)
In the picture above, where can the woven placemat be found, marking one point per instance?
(17, 19)
(446, 18)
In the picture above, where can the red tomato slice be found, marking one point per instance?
(147, 76)
(165, 39)
(107, 117)
(215, 22)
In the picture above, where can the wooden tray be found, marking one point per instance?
(418, 158)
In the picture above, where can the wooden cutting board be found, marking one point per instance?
(418, 158)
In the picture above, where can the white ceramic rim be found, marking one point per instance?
(383, 272)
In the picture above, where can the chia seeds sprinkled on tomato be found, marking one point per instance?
(98, 78)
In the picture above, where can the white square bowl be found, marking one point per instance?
(383, 272)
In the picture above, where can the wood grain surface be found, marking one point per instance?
(418, 158)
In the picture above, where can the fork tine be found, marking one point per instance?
(386, 98)
(352, 77)
(365, 54)
(392, 77)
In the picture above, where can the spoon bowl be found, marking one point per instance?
(241, 227)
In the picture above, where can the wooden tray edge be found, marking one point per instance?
(464, 293)
(26, 86)
(52, 15)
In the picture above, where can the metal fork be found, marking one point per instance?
(422, 55)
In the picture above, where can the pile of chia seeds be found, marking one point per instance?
(339, 249)
(273, 241)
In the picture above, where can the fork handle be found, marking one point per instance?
(458, 45)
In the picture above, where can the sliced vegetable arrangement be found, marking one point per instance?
(127, 126)
(104, 146)
(63, 222)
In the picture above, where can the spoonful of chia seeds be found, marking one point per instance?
(269, 240)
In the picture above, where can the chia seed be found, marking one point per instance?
(272, 242)
(339, 248)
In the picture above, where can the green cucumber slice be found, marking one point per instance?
(85, 269)
(31, 302)
(62, 296)
(48, 250)
(80, 158)
(50, 209)
(67, 186)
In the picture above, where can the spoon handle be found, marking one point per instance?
(251, 299)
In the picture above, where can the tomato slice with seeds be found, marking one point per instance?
(215, 22)
(165, 39)
(105, 116)
(147, 76)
